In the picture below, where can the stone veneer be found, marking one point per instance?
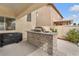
(45, 40)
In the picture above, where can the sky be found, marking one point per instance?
(70, 11)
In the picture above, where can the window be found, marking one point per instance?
(7, 23)
(1, 23)
(29, 17)
(10, 24)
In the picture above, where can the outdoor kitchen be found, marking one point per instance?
(40, 37)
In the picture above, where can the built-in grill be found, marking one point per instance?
(38, 29)
(41, 29)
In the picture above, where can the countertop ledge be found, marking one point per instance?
(50, 33)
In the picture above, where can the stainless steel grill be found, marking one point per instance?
(41, 29)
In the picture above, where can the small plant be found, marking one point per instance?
(73, 36)
(53, 30)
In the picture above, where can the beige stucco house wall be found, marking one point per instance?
(43, 16)
(46, 16)
(23, 26)
(55, 16)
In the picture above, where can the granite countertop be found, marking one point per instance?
(47, 33)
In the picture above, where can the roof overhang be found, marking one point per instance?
(31, 8)
(16, 9)
(63, 21)
(20, 9)
(56, 9)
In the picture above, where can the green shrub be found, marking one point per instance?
(53, 30)
(73, 35)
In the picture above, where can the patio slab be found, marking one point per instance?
(67, 48)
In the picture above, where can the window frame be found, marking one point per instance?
(29, 17)
(4, 18)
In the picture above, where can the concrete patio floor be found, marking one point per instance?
(67, 48)
(64, 48)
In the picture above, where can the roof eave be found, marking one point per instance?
(55, 9)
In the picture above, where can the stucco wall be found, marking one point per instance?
(23, 26)
(43, 18)
(54, 15)
(46, 16)
(62, 30)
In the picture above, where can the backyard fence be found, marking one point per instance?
(62, 30)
